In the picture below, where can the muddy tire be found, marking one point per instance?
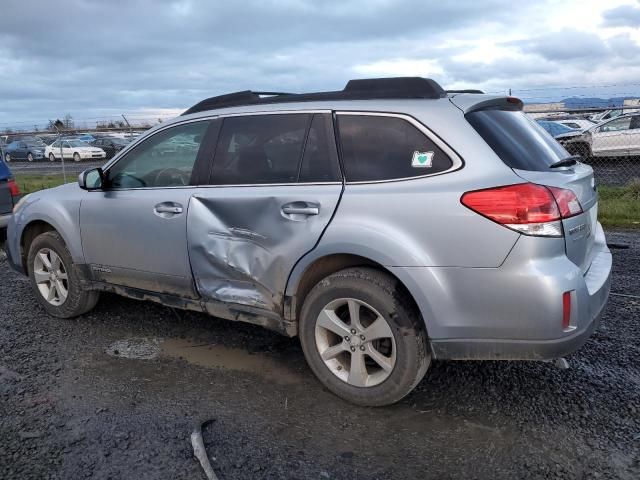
(363, 337)
(55, 282)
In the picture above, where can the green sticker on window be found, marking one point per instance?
(422, 159)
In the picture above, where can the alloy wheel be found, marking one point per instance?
(51, 276)
(355, 342)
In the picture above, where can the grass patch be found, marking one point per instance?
(619, 206)
(32, 183)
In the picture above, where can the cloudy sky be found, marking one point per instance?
(152, 58)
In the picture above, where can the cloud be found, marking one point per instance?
(622, 16)
(93, 58)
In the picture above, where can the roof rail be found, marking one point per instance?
(468, 90)
(362, 89)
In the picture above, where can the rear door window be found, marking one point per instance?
(519, 142)
(320, 160)
(260, 149)
(383, 147)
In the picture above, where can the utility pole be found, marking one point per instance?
(64, 173)
(509, 92)
(129, 125)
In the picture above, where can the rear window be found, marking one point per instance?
(519, 142)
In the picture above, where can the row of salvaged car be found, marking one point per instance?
(613, 137)
(96, 146)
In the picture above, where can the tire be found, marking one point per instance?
(403, 342)
(76, 157)
(7, 158)
(77, 301)
(29, 157)
(52, 157)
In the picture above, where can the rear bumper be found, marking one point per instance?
(514, 311)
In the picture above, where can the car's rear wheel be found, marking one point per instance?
(76, 157)
(7, 158)
(54, 280)
(30, 157)
(363, 337)
(52, 157)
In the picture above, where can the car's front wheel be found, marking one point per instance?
(54, 281)
(76, 157)
(7, 158)
(52, 157)
(363, 337)
(30, 157)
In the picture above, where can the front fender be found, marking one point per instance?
(58, 207)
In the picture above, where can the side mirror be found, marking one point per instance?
(91, 179)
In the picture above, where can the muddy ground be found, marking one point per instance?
(72, 405)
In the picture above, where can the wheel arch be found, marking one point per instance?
(309, 271)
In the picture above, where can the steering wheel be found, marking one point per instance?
(170, 177)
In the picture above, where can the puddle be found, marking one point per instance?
(219, 356)
(135, 348)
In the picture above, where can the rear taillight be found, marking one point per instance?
(567, 202)
(526, 207)
(14, 189)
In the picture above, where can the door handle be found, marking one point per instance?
(167, 209)
(290, 210)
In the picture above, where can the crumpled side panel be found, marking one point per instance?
(242, 247)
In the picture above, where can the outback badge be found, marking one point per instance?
(422, 159)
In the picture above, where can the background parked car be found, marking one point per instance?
(111, 145)
(29, 150)
(619, 137)
(555, 128)
(9, 195)
(75, 150)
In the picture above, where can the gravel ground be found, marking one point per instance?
(75, 404)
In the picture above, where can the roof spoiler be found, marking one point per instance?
(468, 103)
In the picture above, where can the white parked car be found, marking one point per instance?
(75, 150)
(619, 137)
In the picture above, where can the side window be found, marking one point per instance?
(384, 148)
(165, 159)
(260, 149)
(635, 122)
(616, 125)
(320, 160)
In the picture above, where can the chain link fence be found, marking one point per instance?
(608, 140)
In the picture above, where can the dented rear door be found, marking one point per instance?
(275, 185)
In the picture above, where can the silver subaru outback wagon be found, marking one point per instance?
(387, 224)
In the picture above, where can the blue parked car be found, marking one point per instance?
(27, 149)
(555, 128)
(9, 195)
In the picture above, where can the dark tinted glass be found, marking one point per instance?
(320, 161)
(260, 149)
(519, 142)
(384, 148)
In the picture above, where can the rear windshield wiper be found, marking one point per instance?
(566, 162)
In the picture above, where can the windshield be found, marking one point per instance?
(519, 141)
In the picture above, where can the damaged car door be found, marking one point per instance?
(273, 188)
(134, 228)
